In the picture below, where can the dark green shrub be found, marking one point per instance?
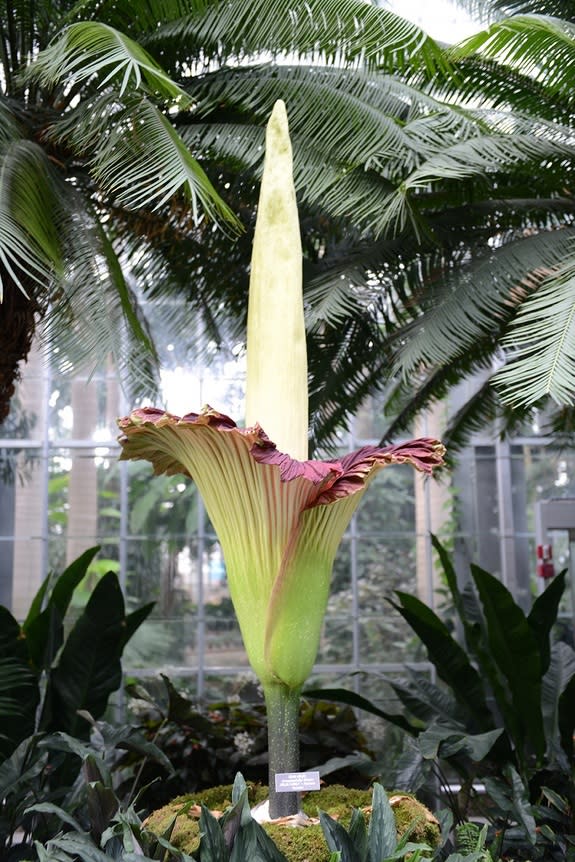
(500, 721)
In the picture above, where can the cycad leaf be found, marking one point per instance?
(30, 249)
(145, 163)
(88, 327)
(480, 298)
(536, 45)
(347, 31)
(91, 49)
(541, 343)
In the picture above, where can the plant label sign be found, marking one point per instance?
(288, 782)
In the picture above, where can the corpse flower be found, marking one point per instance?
(279, 517)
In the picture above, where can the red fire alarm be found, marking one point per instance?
(545, 567)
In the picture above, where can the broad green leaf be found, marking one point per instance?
(135, 619)
(77, 845)
(358, 834)
(450, 660)
(51, 808)
(89, 668)
(45, 630)
(21, 768)
(560, 671)
(445, 742)
(521, 807)
(567, 718)
(344, 695)
(338, 839)
(543, 616)
(450, 575)
(382, 830)
(514, 648)
(67, 582)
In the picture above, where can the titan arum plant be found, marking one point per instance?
(279, 516)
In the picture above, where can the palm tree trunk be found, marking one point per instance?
(18, 318)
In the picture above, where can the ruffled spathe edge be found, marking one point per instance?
(338, 477)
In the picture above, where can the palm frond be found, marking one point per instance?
(477, 81)
(93, 50)
(145, 162)
(479, 300)
(538, 46)
(481, 408)
(9, 126)
(97, 316)
(137, 157)
(350, 107)
(540, 343)
(350, 32)
(408, 398)
(30, 249)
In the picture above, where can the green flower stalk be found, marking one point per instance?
(279, 517)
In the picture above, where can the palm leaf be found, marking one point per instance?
(30, 250)
(355, 134)
(148, 163)
(487, 291)
(538, 46)
(478, 81)
(87, 328)
(349, 32)
(91, 49)
(136, 155)
(540, 343)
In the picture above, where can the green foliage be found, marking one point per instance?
(342, 804)
(116, 830)
(501, 715)
(377, 842)
(66, 665)
(470, 840)
(208, 743)
(55, 779)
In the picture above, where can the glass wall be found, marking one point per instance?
(64, 490)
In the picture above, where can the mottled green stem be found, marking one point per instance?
(282, 705)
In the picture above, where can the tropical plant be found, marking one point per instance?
(116, 830)
(500, 315)
(379, 841)
(101, 136)
(208, 742)
(39, 800)
(404, 190)
(58, 196)
(501, 715)
(52, 666)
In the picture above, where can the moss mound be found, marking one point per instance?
(297, 844)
